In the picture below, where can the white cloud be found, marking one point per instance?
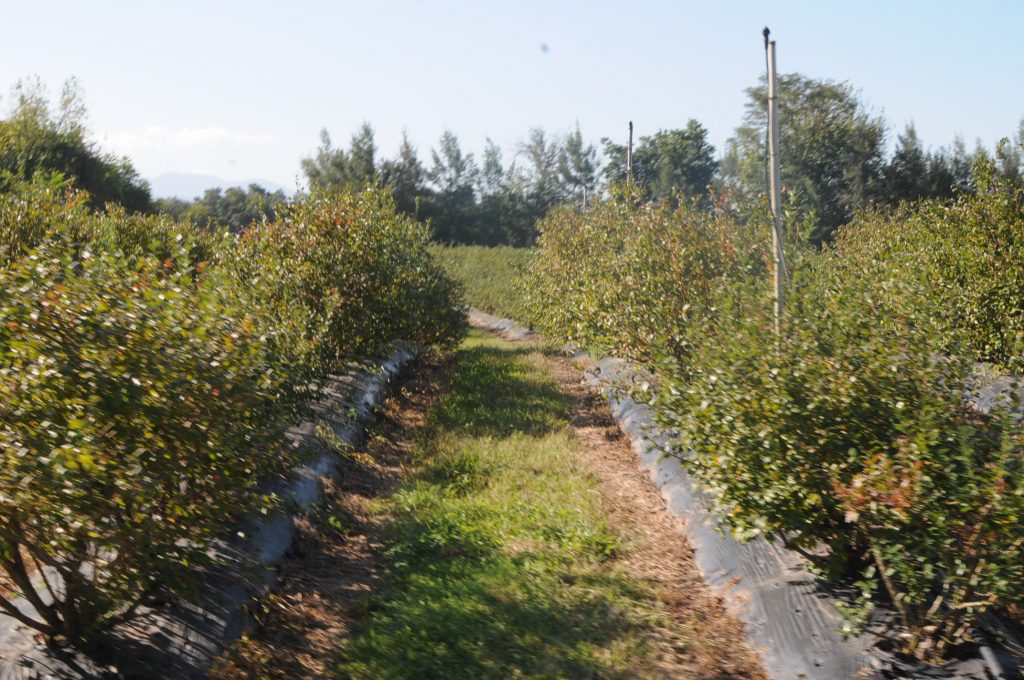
(213, 150)
(162, 140)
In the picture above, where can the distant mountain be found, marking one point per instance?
(192, 185)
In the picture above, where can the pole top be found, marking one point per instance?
(766, 32)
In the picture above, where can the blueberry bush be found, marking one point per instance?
(851, 436)
(149, 371)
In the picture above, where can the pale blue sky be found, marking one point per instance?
(241, 89)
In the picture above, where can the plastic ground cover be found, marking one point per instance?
(789, 613)
(181, 641)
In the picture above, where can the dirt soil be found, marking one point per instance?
(329, 571)
(326, 578)
(659, 553)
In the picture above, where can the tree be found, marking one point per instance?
(544, 187)
(678, 160)
(497, 210)
(452, 206)
(960, 162)
(667, 163)
(614, 161)
(491, 180)
(906, 176)
(830, 147)
(40, 141)
(332, 168)
(452, 171)
(329, 167)
(173, 206)
(532, 189)
(941, 180)
(912, 173)
(1010, 156)
(233, 208)
(405, 176)
(577, 167)
(362, 167)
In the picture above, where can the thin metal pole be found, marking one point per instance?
(775, 190)
(629, 156)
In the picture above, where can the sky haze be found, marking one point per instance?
(242, 89)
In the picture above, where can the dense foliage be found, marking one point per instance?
(834, 161)
(39, 140)
(137, 410)
(342, 274)
(834, 150)
(32, 213)
(830, 143)
(487, 203)
(149, 370)
(232, 208)
(667, 163)
(630, 276)
(851, 436)
(967, 254)
(854, 435)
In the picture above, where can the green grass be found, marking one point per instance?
(490, 276)
(500, 562)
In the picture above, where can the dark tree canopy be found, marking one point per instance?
(332, 167)
(667, 163)
(39, 141)
(577, 167)
(834, 151)
(232, 208)
(914, 173)
(831, 147)
(906, 175)
(451, 201)
(406, 176)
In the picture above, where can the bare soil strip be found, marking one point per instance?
(710, 643)
(334, 561)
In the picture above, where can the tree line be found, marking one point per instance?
(835, 155)
(48, 144)
(234, 208)
(835, 160)
(492, 201)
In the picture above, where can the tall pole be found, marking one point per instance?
(629, 156)
(774, 189)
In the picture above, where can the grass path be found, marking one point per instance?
(496, 527)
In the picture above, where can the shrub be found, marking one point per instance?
(137, 411)
(632, 277)
(338, 276)
(853, 433)
(33, 212)
(967, 253)
(148, 373)
(28, 213)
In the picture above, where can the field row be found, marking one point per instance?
(851, 431)
(149, 371)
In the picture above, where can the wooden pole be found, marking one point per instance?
(629, 156)
(774, 189)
